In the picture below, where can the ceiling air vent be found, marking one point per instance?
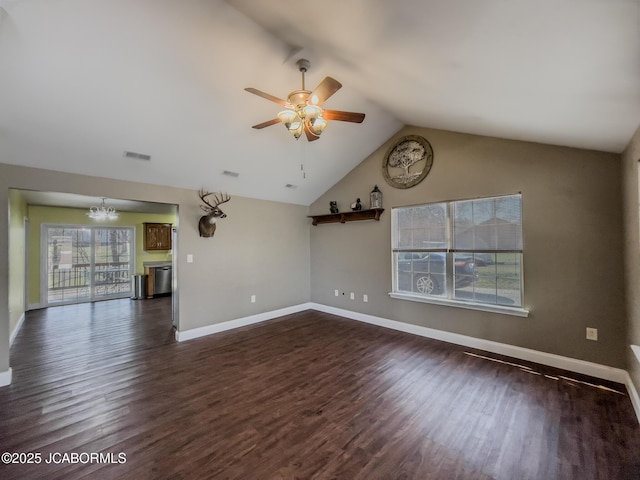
(231, 174)
(137, 156)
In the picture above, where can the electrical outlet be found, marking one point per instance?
(365, 297)
(189, 258)
(336, 293)
(253, 299)
(592, 334)
(352, 296)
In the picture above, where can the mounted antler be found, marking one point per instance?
(207, 224)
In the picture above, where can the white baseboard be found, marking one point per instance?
(633, 395)
(182, 336)
(14, 334)
(5, 378)
(549, 359)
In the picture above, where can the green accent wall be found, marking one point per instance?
(39, 215)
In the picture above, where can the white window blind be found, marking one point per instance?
(422, 228)
(488, 225)
(466, 251)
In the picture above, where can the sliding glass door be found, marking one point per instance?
(86, 263)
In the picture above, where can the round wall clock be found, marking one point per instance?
(407, 162)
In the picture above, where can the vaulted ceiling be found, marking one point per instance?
(82, 81)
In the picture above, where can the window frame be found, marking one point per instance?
(447, 298)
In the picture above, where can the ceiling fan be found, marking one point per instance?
(303, 108)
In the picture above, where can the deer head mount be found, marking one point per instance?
(207, 225)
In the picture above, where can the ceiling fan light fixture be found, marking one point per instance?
(317, 126)
(296, 128)
(287, 117)
(297, 134)
(312, 111)
(295, 124)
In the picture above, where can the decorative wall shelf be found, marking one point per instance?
(344, 217)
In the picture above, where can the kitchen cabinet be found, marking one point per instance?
(157, 236)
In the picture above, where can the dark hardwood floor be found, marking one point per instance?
(308, 395)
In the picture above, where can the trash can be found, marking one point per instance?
(138, 287)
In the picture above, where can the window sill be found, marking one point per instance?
(515, 311)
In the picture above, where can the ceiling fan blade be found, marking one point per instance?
(266, 124)
(324, 90)
(310, 136)
(262, 94)
(343, 116)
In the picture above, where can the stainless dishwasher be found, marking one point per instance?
(162, 280)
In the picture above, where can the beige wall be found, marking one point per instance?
(630, 165)
(572, 243)
(17, 214)
(73, 216)
(261, 248)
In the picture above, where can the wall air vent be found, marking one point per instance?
(137, 156)
(231, 174)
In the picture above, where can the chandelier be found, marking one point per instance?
(102, 212)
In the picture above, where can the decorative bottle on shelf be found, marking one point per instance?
(333, 207)
(376, 198)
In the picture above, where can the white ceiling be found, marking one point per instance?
(84, 80)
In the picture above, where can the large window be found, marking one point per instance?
(466, 252)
